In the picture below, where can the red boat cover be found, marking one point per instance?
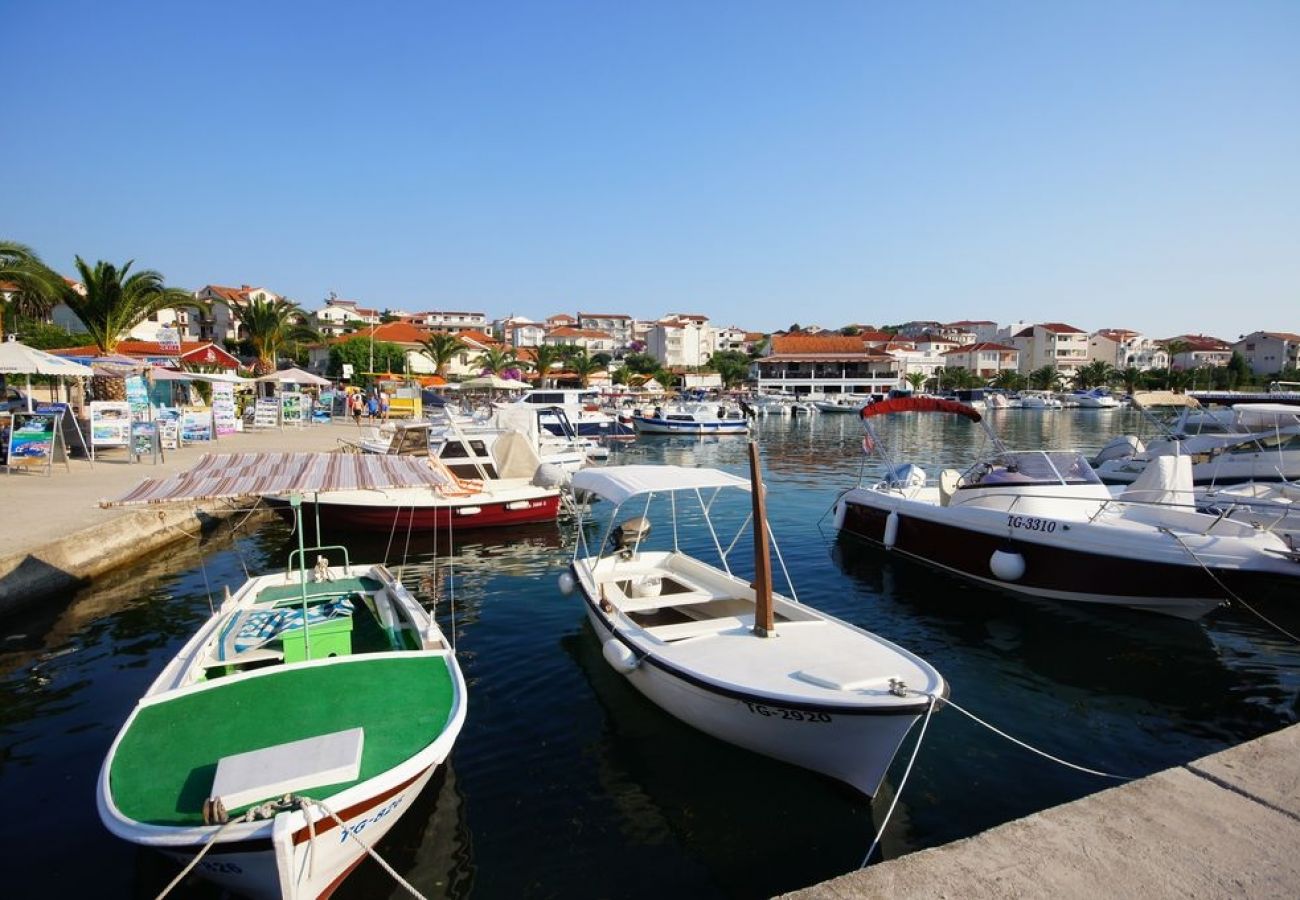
(919, 404)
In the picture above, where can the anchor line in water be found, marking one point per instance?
(1227, 590)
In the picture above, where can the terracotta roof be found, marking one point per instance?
(1061, 328)
(692, 317)
(982, 345)
(191, 351)
(802, 343)
(1117, 334)
(1200, 342)
(561, 317)
(477, 337)
(929, 338)
(564, 331)
(754, 335)
(875, 336)
(858, 355)
(1281, 335)
(229, 294)
(395, 332)
(964, 322)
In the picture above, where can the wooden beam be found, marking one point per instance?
(764, 620)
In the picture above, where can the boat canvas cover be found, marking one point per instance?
(1148, 399)
(219, 476)
(919, 404)
(617, 483)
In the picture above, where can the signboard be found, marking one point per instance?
(323, 409)
(347, 370)
(223, 408)
(137, 395)
(169, 339)
(110, 423)
(32, 440)
(291, 408)
(144, 441)
(196, 425)
(266, 414)
(168, 420)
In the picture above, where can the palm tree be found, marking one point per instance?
(917, 380)
(1009, 380)
(544, 359)
(1176, 348)
(1131, 377)
(31, 287)
(441, 347)
(495, 360)
(271, 324)
(114, 302)
(584, 366)
(1044, 379)
(1094, 374)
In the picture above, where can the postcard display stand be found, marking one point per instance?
(145, 442)
(168, 421)
(322, 410)
(36, 441)
(223, 409)
(196, 425)
(110, 425)
(291, 408)
(266, 414)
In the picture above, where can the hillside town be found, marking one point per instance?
(683, 349)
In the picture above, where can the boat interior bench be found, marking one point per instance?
(674, 591)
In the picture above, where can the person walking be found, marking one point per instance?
(383, 405)
(372, 407)
(358, 406)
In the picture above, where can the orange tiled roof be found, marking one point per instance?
(1061, 328)
(801, 343)
(983, 345)
(394, 332)
(565, 331)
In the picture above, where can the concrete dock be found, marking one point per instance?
(1227, 825)
(54, 536)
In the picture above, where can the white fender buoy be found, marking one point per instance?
(1008, 565)
(567, 583)
(891, 529)
(619, 655)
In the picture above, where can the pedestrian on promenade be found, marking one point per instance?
(358, 406)
(372, 407)
(383, 405)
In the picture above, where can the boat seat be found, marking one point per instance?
(697, 628)
(257, 654)
(690, 593)
(948, 480)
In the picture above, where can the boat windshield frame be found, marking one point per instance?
(1047, 468)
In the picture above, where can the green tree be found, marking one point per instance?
(1176, 348)
(441, 348)
(731, 365)
(584, 366)
(1241, 369)
(43, 336)
(1009, 380)
(272, 325)
(32, 288)
(1095, 374)
(1131, 377)
(544, 359)
(641, 363)
(114, 302)
(917, 380)
(495, 360)
(389, 357)
(1044, 379)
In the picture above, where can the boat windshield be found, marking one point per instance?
(1032, 467)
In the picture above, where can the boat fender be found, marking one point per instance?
(567, 583)
(620, 656)
(891, 529)
(1006, 564)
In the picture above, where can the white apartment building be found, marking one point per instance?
(220, 322)
(1123, 349)
(454, 322)
(982, 331)
(339, 315)
(589, 339)
(1055, 344)
(616, 325)
(1269, 352)
(985, 359)
(1202, 350)
(731, 339)
(519, 331)
(682, 340)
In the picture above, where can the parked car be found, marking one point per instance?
(13, 401)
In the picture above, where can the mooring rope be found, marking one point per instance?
(929, 711)
(1223, 587)
(370, 851)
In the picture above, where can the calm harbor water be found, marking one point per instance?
(566, 782)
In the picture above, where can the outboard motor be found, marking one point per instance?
(1122, 447)
(549, 475)
(628, 535)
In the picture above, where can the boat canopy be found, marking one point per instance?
(919, 404)
(220, 476)
(618, 483)
(1147, 399)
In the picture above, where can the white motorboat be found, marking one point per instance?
(693, 419)
(1038, 400)
(848, 403)
(772, 404)
(730, 658)
(290, 733)
(1097, 398)
(1042, 523)
(582, 407)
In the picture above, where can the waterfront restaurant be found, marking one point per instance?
(819, 364)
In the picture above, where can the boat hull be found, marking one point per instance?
(855, 746)
(453, 514)
(1052, 570)
(649, 425)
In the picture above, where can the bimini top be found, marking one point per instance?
(233, 475)
(617, 483)
(1148, 399)
(919, 404)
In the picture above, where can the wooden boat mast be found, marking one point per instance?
(764, 620)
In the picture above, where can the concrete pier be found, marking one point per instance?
(1227, 825)
(54, 536)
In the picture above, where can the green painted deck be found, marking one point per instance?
(163, 769)
(339, 588)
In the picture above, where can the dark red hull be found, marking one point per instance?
(497, 514)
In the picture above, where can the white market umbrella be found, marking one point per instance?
(19, 359)
(496, 382)
(295, 376)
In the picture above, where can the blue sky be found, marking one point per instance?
(1107, 164)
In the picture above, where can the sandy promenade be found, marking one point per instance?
(37, 509)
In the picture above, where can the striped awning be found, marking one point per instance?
(221, 476)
